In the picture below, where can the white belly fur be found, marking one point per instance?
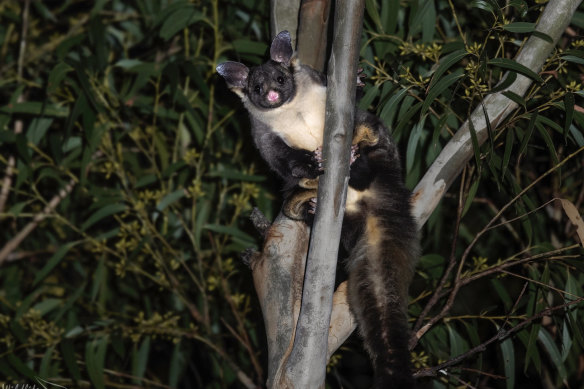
(301, 122)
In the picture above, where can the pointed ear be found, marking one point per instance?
(234, 73)
(281, 49)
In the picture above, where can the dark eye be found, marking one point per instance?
(257, 89)
(280, 80)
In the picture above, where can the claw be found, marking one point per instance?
(354, 155)
(312, 205)
(360, 75)
(318, 158)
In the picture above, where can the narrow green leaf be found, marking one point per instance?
(577, 135)
(569, 103)
(446, 63)
(475, 143)
(57, 75)
(7, 371)
(428, 21)
(481, 4)
(204, 210)
(145, 180)
(509, 140)
(548, 141)
(490, 133)
(527, 136)
(471, 195)
(233, 174)
(566, 341)
(543, 36)
(94, 360)
(73, 332)
(502, 293)
(170, 198)
(370, 95)
(439, 87)
(44, 369)
(390, 9)
(227, 230)
(516, 67)
(509, 79)
(390, 108)
(574, 59)
(457, 343)
(20, 367)
(140, 359)
(177, 364)
(371, 8)
(508, 351)
(99, 279)
(519, 27)
(52, 262)
(68, 353)
(520, 6)
(128, 63)
(181, 18)
(104, 212)
(405, 118)
(37, 129)
(47, 305)
(548, 343)
(515, 98)
(413, 141)
(246, 46)
(438, 129)
(161, 149)
(531, 351)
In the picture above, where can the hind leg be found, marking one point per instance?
(379, 275)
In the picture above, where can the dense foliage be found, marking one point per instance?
(131, 175)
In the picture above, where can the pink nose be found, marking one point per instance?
(273, 96)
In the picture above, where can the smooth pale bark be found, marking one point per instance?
(284, 16)
(306, 367)
(312, 32)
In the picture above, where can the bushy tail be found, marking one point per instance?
(380, 271)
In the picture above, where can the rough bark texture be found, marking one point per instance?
(278, 273)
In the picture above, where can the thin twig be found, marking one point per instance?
(416, 334)
(18, 124)
(501, 335)
(13, 243)
(460, 281)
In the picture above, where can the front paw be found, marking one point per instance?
(317, 155)
(354, 154)
(301, 205)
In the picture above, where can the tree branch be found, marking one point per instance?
(553, 22)
(278, 275)
(50, 207)
(501, 335)
(312, 32)
(306, 367)
(284, 16)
